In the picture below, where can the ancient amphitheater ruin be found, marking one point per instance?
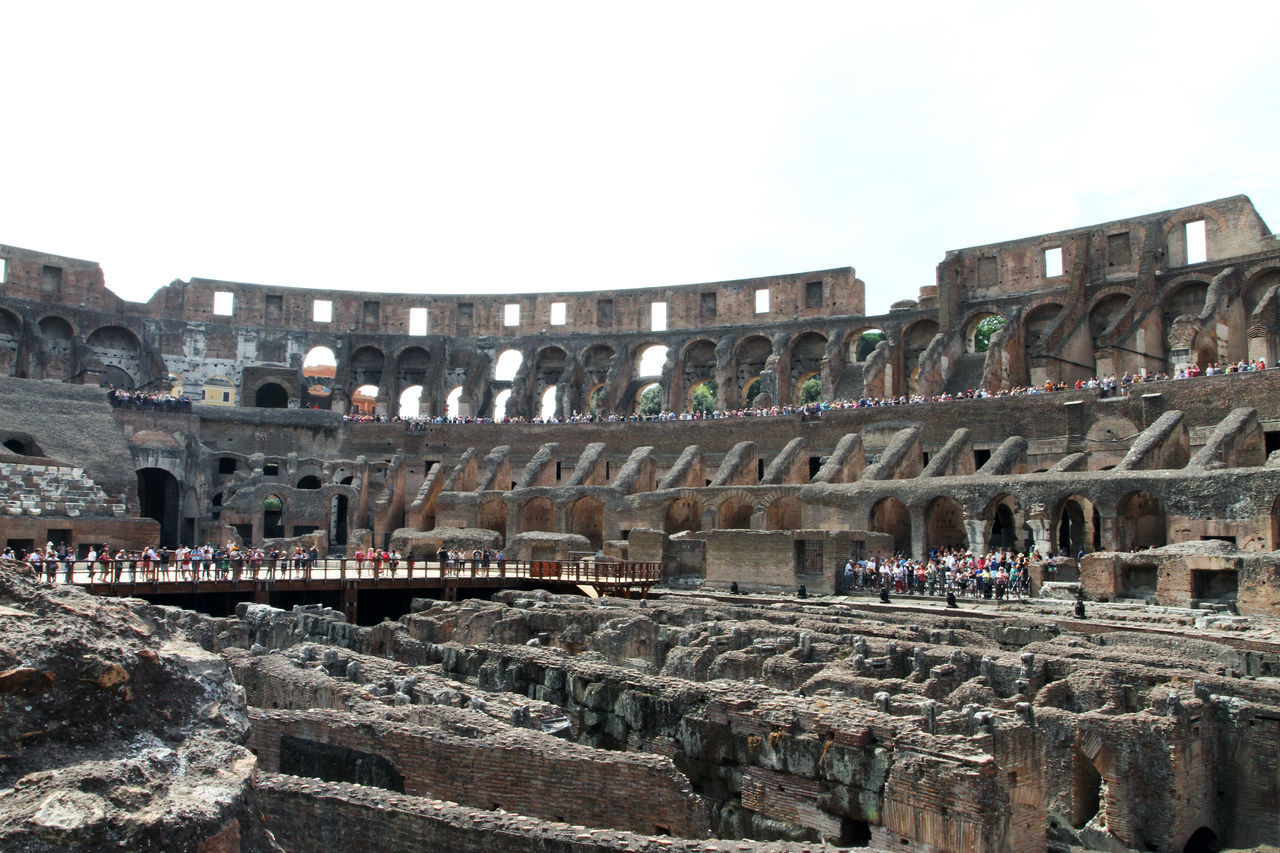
(662, 649)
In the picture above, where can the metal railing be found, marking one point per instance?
(194, 575)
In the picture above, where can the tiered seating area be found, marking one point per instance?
(53, 490)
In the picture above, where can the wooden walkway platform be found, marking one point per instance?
(346, 577)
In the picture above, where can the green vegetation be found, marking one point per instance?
(868, 342)
(651, 400)
(987, 327)
(704, 397)
(811, 391)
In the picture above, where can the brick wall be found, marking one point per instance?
(516, 770)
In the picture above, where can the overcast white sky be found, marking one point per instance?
(495, 147)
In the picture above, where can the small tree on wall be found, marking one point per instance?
(704, 398)
(811, 390)
(651, 400)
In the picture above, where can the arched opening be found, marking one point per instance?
(493, 516)
(784, 514)
(500, 404)
(1087, 790)
(318, 370)
(649, 400)
(650, 361)
(1141, 522)
(1187, 299)
(807, 351)
(365, 400)
(977, 336)
(547, 405)
(56, 329)
(272, 517)
(1038, 322)
(750, 356)
(1071, 534)
(1203, 840)
(411, 402)
(159, 498)
(684, 514)
(702, 397)
(1105, 314)
(1079, 526)
(366, 366)
(537, 514)
(594, 399)
(944, 524)
(586, 518)
(809, 390)
(338, 521)
(889, 515)
(1004, 531)
(698, 367)
(915, 341)
(862, 344)
(116, 377)
(311, 481)
(734, 514)
(507, 365)
(23, 445)
(453, 403)
(271, 396)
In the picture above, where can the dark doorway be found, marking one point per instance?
(338, 521)
(1203, 840)
(1003, 531)
(271, 396)
(158, 496)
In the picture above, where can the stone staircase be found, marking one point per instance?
(53, 490)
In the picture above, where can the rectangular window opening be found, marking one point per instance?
(223, 303)
(559, 311)
(604, 312)
(658, 312)
(322, 311)
(372, 310)
(270, 469)
(1197, 242)
(1119, 250)
(51, 279)
(813, 294)
(417, 321)
(762, 301)
(707, 306)
(4, 270)
(511, 315)
(1053, 262)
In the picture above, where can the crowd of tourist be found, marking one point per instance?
(996, 574)
(1106, 385)
(231, 562)
(123, 399)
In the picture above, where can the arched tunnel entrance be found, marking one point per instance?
(159, 498)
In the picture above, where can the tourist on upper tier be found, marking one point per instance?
(1106, 385)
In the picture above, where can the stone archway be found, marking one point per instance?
(684, 514)
(537, 514)
(890, 515)
(493, 516)
(944, 525)
(734, 514)
(159, 497)
(271, 396)
(586, 518)
(785, 513)
(1140, 522)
